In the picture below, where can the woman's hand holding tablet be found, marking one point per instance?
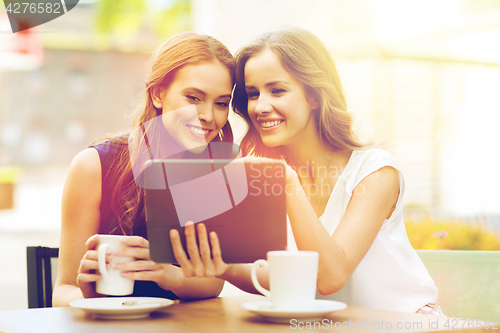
(205, 259)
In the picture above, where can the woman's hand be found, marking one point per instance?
(204, 261)
(88, 272)
(143, 268)
(291, 174)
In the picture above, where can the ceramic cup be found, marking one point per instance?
(112, 283)
(292, 279)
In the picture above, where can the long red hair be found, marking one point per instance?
(127, 200)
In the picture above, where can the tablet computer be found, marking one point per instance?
(242, 201)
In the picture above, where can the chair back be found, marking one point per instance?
(42, 270)
(468, 282)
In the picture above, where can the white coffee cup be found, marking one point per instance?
(112, 283)
(292, 279)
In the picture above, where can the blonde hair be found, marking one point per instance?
(187, 48)
(305, 57)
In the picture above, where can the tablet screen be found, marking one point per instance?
(243, 202)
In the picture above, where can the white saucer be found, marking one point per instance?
(319, 309)
(113, 308)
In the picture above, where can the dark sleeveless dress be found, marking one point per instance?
(108, 225)
(108, 153)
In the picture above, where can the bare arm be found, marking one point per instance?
(206, 260)
(198, 288)
(78, 258)
(167, 276)
(371, 203)
(79, 220)
(239, 275)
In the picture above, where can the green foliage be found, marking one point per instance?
(126, 17)
(174, 20)
(461, 236)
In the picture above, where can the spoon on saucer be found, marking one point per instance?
(133, 302)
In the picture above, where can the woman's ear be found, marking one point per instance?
(313, 101)
(156, 97)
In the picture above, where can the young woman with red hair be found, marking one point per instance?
(101, 196)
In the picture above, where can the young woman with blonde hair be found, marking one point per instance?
(101, 194)
(344, 198)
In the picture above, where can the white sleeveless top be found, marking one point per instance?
(391, 276)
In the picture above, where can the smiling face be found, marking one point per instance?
(195, 106)
(278, 104)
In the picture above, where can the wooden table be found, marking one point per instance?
(217, 315)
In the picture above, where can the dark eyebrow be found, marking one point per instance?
(269, 84)
(201, 92)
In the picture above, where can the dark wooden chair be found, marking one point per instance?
(41, 268)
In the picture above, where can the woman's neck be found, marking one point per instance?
(307, 156)
(318, 166)
(315, 161)
(308, 147)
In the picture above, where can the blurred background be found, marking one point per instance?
(421, 77)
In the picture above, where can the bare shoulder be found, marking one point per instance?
(385, 178)
(385, 174)
(87, 161)
(80, 216)
(84, 176)
(380, 189)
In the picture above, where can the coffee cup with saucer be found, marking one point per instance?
(292, 282)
